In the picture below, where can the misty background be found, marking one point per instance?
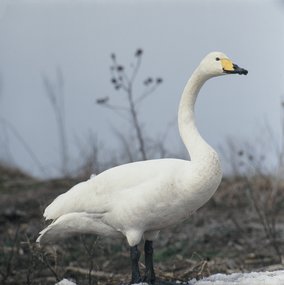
(76, 38)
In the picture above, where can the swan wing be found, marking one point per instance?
(101, 193)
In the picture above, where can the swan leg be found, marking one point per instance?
(134, 256)
(149, 271)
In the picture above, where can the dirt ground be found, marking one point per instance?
(229, 234)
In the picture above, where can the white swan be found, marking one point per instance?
(140, 199)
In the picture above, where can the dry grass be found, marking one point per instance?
(226, 235)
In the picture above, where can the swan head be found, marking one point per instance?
(217, 63)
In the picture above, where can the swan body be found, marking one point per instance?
(141, 198)
(133, 199)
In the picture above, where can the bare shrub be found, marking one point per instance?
(124, 81)
(90, 246)
(10, 129)
(55, 94)
(256, 181)
(9, 251)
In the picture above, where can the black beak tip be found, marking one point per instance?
(243, 71)
(240, 70)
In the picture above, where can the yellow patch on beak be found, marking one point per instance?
(227, 64)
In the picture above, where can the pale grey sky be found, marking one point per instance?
(79, 36)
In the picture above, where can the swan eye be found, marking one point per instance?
(217, 58)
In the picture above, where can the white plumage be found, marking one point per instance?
(130, 199)
(144, 197)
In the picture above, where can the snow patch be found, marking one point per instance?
(253, 278)
(65, 282)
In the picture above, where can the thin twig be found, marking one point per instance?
(136, 68)
(146, 94)
(9, 262)
(24, 144)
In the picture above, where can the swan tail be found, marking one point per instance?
(75, 223)
(65, 203)
(52, 211)
(80, 198)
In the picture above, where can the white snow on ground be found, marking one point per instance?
(253, 278)
(65, 282)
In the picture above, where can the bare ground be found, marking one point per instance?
(225, 236)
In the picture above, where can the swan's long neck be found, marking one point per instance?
(195, 144)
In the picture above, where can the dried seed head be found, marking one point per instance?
(139, 52)
(159, 80)
(241, 153)
(102, 100)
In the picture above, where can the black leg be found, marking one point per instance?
(149, 273)
(134, 256)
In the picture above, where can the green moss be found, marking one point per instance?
(168, 252)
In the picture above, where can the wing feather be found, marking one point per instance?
(99, 194)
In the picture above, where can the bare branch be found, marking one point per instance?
(146, 93)
(121, 80)
(136, 68)
(24, 144)
(117, 110)
(55, 93)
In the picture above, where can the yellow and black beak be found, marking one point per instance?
(231, 68)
